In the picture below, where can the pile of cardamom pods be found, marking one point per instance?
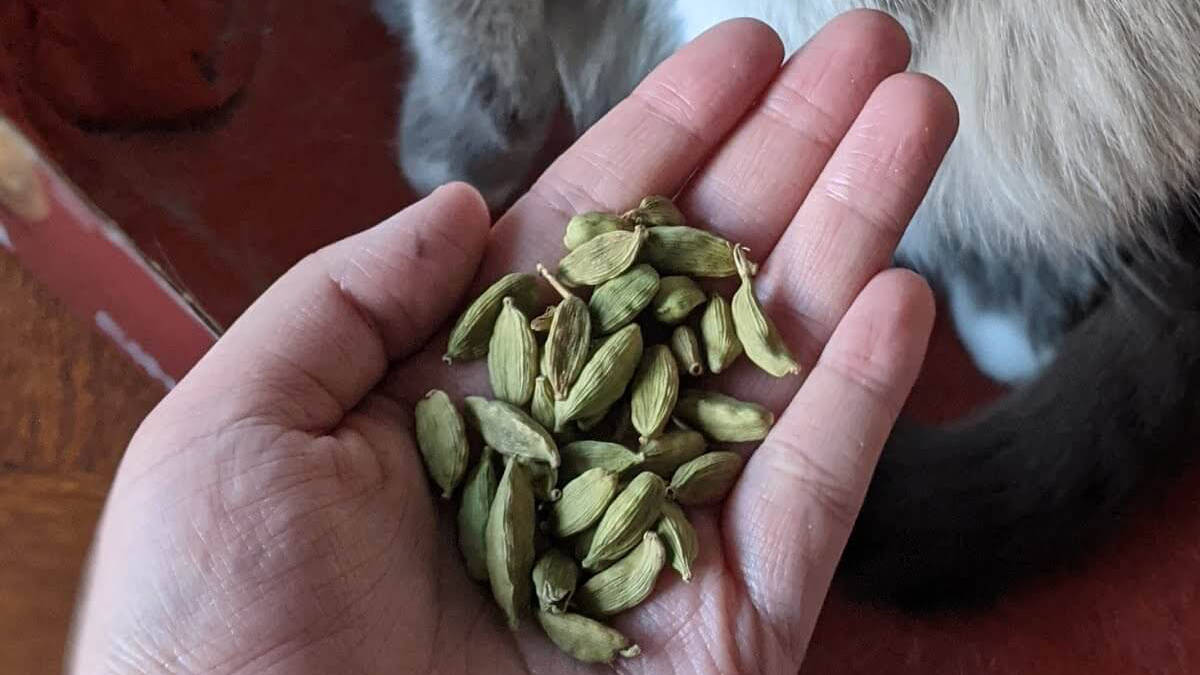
(589, 446)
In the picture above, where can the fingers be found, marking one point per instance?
(849, 225)
(312, 346)
(791, 512)
(751, 188)
(847, 229)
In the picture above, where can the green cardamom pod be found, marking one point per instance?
(676, 298)
(721, 344)
(604, 377)
(541, 322)
(605, 257)
(706, 480)
(471, 334)
(655, 390)
(587, 226)
(442, 439)
(686, 347)
(512, 356)
(568, 341)
(755, 330)
(627, 582)
(630, 514)
(677, 533)
(585, 639)
(655, 210)
(509, 543)
(581, 456)
(723, 418)
(687, 250)
(478, 492)
(541, 406)
(669, 451)
(555, 577)
(510, 431)
(618, 301)
(584, 500)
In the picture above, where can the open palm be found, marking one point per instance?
(272, 514)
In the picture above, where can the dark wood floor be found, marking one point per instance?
(70, 403)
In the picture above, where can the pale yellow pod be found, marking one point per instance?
(472, 332)
(721, 344)
(759, 337)
(627, 582)
(723, 418)
(585, 639)
(678, 534)
(512, 356)
(584, 500)
(601, 258)
(685, 345)
(604, 378)
(655, 390)
(442, 440)
(509, 543)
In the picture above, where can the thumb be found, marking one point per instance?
(322, 336)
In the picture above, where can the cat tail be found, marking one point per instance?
(957, 512)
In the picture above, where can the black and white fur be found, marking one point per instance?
(1059, 231)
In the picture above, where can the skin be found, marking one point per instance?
(272, 514)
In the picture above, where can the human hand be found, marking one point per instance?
(272, 514)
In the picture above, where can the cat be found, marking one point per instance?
(1060, 232)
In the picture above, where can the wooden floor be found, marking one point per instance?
(70, 403)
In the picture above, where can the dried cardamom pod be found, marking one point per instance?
(568, 340)
(587, 226)
(677, 533)
(630, 514)
(676, 298)
(723, 418)
(755, 330)
(584, 500)
(586, 640)
(686, 348)
(601, 258)
(541, 322)
(617, 301)
(478, 492)
(442, 439)
(627, 582)
(555, 577)
(581, 456)
(706, 480)
(654, 391)
(666, 453)
(510, 431)
(543, 479)
(604, 377)
(473, 331)
(655, 210)
(509, 543)
(721, 344)
(687, 250)
(541, 406)
(512, 356)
